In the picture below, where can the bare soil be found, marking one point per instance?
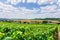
(59, 35)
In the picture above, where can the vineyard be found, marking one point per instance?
(17, 31)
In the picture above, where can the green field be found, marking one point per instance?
(17, 31)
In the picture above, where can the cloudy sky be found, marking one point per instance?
(27, 9)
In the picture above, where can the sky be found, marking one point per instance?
(29, 9)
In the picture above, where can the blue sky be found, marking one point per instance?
(28, 9)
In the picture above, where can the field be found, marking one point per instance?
(17, 31)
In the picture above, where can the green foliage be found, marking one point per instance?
(7, 38)
(14, 31)
(2, 35)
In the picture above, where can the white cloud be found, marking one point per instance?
(8, 11)
(49, 9)
(28, 11)
(17, 1)
(13, 1)
(58, 3)
(23, 1)
(31, 1)
(48, 15)
(40, 2)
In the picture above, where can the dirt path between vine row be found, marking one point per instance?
(59, 35)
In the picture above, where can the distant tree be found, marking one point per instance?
(45, 22)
